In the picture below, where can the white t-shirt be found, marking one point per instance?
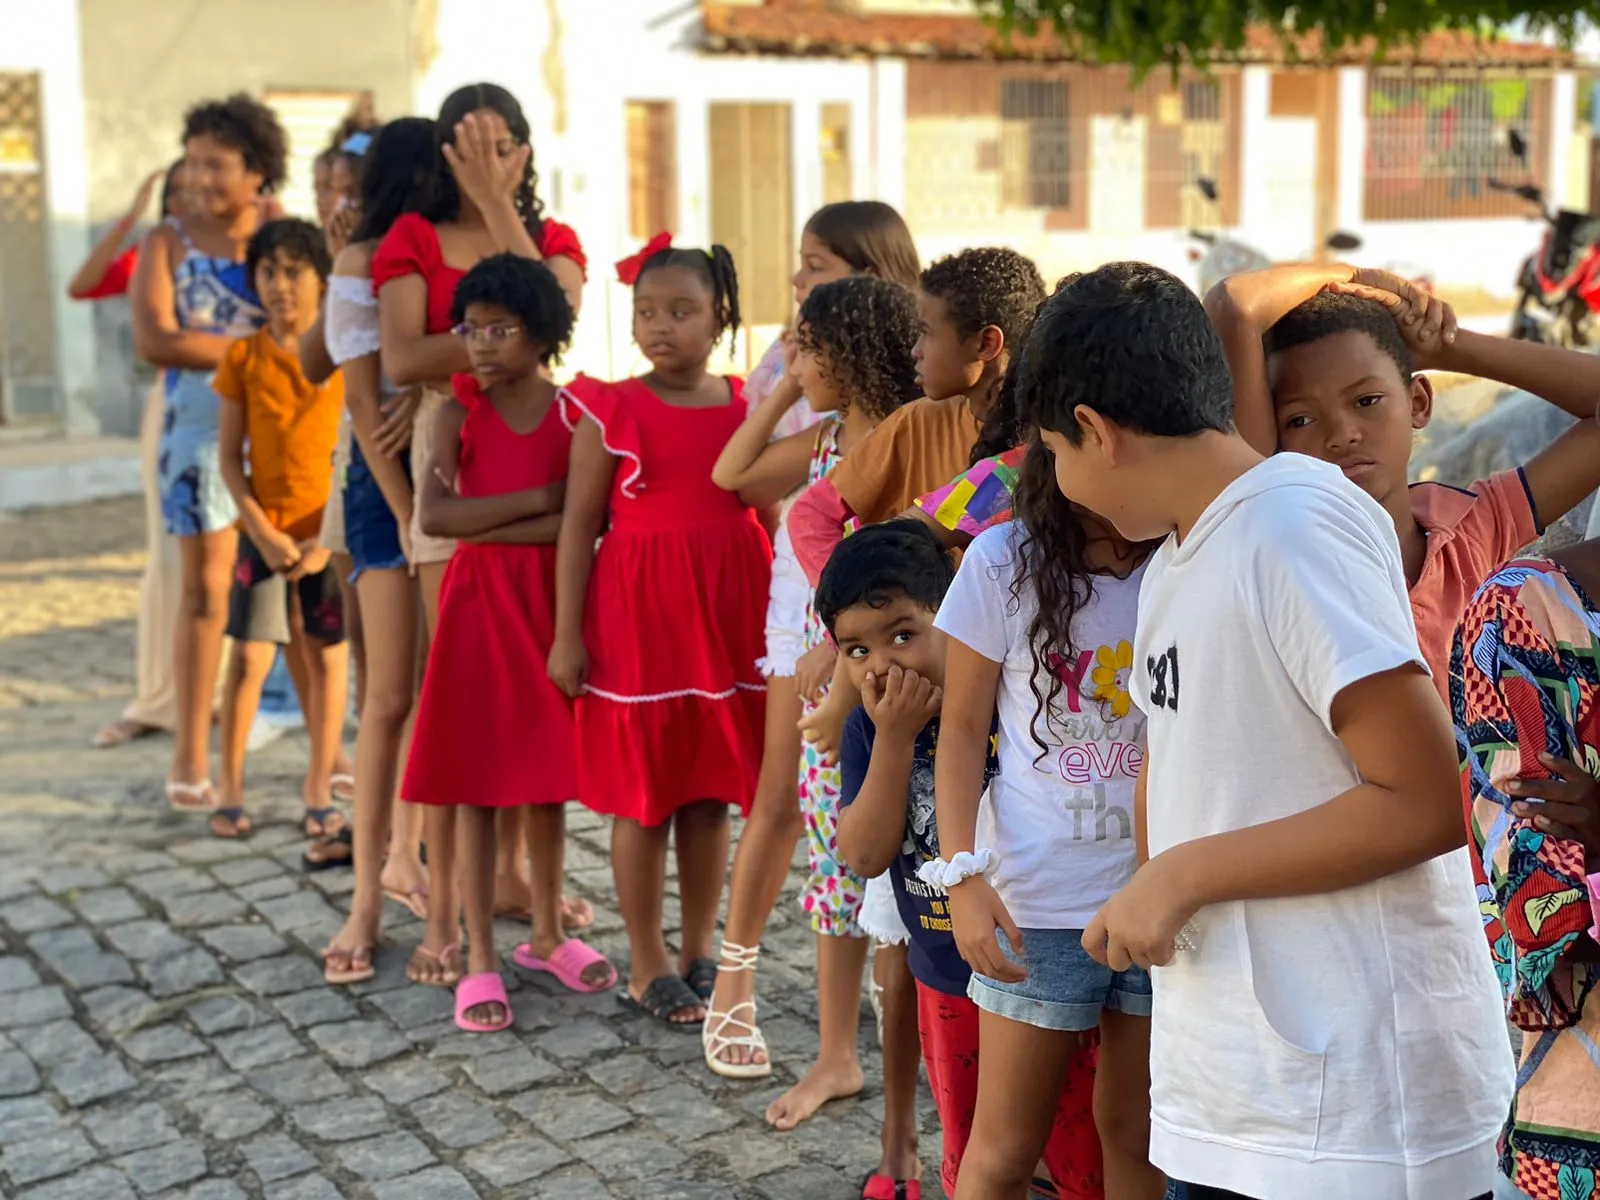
(1062, 818)
(1342, 1045)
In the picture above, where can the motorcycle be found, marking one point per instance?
(1559, 286)
(1220, 256)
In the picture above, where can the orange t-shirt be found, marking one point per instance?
(291, 428)
(916, 448)
(1471, 532)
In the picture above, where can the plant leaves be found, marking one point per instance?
(1576, 1183)
(1540, 909)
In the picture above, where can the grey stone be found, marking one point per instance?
(509, 1071)
(279, 976)
(515, 1160)
(683, 1112)
(403, 1082)
(804, 1183)
(182, 974)
(228, 1118)
(202, 1075)
(456, 1121)
(246, 870)
(627, 1074)
(17, 1074)
(344, 1119)
(174, 881)
(34, 1006)
(436, 1183)
(107, 906)
(299, 1081)
(71, 879)
(266, 889)
(116, 1007)
(578, 1041)
(33, 913)
(46, 1157)
(59, 1042)
(163, 1043)
(215, 1189)
(74, 955)
(259, 1046)
(576, 1182)
(96, 1183)
(142, 861)
(90, 1078)
(306, 1187)
(629, 1155)
(122, 1131)
(385, 1157)
(16, 974)
(410, 1008)
(220, 1014)
(359, 1043)
(211, 850)
(750, 1157)
(145, 940)
(569, 1116)
(299, 910)
(320, 1006)
(204, 908)
(277, 1157)
(243, 943)
(162, 1167)
(27, 1118)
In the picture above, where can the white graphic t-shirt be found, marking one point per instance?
(1060, 815)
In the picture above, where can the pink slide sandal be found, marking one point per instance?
(473, 990)
(570, 960)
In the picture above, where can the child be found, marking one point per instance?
(865, 237)
(1040, 622)
(983, 495)
(878, 596)
(1524, 690)
(291, 426)
(1330, 1029)
(492, 730)
(1334, 379)
(658, 631)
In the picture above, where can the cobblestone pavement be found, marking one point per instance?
(164, 1028)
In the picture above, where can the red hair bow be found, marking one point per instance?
(629, 268)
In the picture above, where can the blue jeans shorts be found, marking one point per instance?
(1065, 988)
(370, 532)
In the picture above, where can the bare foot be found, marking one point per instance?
(824, 1082)
(120, 732)
(435, 967)
(513, 897)
(733, 991)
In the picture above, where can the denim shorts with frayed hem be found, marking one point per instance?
(1065, 988)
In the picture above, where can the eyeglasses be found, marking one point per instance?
(493, 334)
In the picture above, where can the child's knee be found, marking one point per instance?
(1122, 1119)
(386, 705)
(1001, 1157)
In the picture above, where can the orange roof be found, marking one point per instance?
(818, 27)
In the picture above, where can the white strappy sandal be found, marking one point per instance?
(714, 1040)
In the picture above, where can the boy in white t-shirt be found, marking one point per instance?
(1325, 1025)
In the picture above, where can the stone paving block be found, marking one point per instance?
(320, 1006)
(74, 955)
(509, 1071)
(569, 1116)
(220, 1014)
(678, 1189)
(145, 940)
(750, 1156)
(304, 1187)
(259, 1046)
(174, 881)
(14, 884)
(25, 1118)
(630, 1155)
(515, 1160)
(204, 908)
(240, 871)
(230, 1117)
(277, 1157)
(205, 851)
(456, 1121)
(215, 1189)
(579, 1041)
(59, 880)
(279, 976)
(142, 861)
(124, 1130)
(162, 1043)
(299, 1081)
(16, 974)
(804, 1183)
(243, 943)
(162, 1167)
(200, 1076)
(436, 1183)
(90, 1078)
(627, 1074)
(360, 1044)
(33, 1006)
(343, 1120)
(270, 888)
(116, 1007)
(58, 1042)
(46, 1157)
(385, 1157)
(182, 974)
(107, 906)
(95, 1183)
(33, 913)
(299, 910)
(410, 1008)
(18, 1077)
(404, 1082)
(576, 1182)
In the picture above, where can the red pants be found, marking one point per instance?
(949, 1029)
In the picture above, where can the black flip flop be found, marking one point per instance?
(702, 977)
(662, 998)
(242, 827)
(321, 816)
(340, 848)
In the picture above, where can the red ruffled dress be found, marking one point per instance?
(492, 731)
(675, 708)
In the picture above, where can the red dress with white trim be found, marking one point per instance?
(674, 708)
(492, 731)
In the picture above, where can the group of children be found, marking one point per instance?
(1152, 799)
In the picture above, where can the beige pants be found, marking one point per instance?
(425, 549)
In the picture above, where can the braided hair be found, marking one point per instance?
(715, 267)
(446, 205)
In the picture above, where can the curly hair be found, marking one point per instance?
(862, 330)
(1328, 314)
(880, 564)
(248, 126)
(446, 205)
(301, 240)
(525, 287)
(715, 267)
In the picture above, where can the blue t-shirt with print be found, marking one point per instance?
(935, 961)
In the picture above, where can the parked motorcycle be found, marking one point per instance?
(1220, 256)
(1559, 286)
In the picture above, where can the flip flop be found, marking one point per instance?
(343, 787)
(662, 998)
(882, 1187)
(353, 974)
(473, 990)
(235, 816)
(337, 851)
(323, 817)
(577, 914)
(702, 977)
(453, 950)
(567, 964)
(200, 792)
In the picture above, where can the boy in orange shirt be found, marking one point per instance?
(278, 432)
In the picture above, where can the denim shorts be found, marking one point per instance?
(370, 532)
(1065, 988)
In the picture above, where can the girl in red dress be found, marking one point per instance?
(658, 632)
(492, 731)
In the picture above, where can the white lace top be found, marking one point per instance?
(350, 325)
